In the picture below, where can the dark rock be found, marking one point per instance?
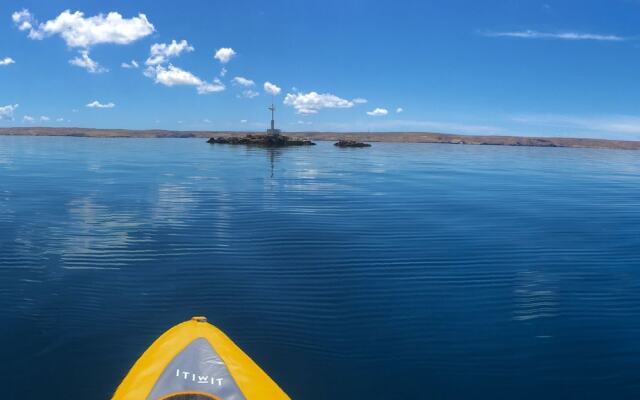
(351, 143)
(268, 140)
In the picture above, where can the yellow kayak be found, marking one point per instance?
(196, 361)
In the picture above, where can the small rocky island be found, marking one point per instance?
(351, 143)
(264, 140)
(273, 137)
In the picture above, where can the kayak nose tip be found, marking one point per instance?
(199, 319)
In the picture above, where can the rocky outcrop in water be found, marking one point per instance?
(262, 140)
(351, 143)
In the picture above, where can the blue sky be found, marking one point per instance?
(561, 68)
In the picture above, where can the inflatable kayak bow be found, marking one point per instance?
(196, 361)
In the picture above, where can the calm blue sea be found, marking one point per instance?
(403, 271)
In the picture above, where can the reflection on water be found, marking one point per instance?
(456, 271)
(173, 205)
(535, 296)
(95, 237)
(273, 156)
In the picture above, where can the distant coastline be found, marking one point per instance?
(394, 137)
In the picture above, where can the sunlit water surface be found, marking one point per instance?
(403, 271)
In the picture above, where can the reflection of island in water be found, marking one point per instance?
(274, 154)
(273, 137)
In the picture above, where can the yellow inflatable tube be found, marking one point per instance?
(196, 361)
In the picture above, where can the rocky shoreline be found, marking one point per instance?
(389, 137)
(264, 140)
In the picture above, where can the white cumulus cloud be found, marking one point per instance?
(213, 87)
(399, 110)
(225, 54)
(83, 32)
(23, 19)
(7, 111)
(132, 64)
(272, 89)
(45, 118)
(97, 104)
(84, 61)
(249, 94)
(238, 80)
(378, 112)
(7, 61)
(174, 76)
(162, 52)
(312, 102)
(28, 118)
(80, 31)
(360, 100)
